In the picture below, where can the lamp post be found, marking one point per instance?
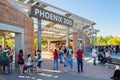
(39, 34)
(67, 37)
(83, 40)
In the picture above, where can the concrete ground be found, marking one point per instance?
(91, 72)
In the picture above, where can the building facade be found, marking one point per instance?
(12, 20)
(14, 17)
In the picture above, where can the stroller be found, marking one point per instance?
(25, 69)
(26, 66)
(101, 58)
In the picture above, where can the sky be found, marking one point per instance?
(105, 13)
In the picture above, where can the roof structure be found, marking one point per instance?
(53, 30)
(7, 35)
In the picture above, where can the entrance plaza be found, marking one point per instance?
(30, 19)
(91, 72)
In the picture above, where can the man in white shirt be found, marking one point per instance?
(94, 55)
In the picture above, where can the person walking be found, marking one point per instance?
(79, 55)
(107, 56)
(55, 54)
(4, 61)
(21, 61)
(60, 52)
(40, 59)
(69, 61)
(94, 55)
(1, 51)
(10, 60)
(65, 52)
(29, 64)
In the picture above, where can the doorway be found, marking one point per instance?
(18, 37)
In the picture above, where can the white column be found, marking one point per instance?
(48, 45)
(19, 41)
(67, 37)
(39, 34)
(96, 35)
(92, 35)
(19, 44)
(83, 44)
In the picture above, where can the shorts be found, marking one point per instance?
(21, 62)
(4, 63)
(39, 64)
(29, 66)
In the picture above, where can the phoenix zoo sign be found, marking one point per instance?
(50, 16)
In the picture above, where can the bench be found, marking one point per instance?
(115, 61)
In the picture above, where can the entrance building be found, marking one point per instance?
(14, 17)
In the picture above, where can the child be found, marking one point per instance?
(55, 53)
(29, 65)
(39, 61)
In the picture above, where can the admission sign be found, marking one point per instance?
(41, 13)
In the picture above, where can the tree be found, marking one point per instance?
(108, 40)
(0, 40)
(10, 43)
(44, 42)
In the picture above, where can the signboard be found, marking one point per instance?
(40, 13)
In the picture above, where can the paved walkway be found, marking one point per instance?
(90, 72)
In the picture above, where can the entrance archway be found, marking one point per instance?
(19, 37)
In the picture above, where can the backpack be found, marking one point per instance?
(67, 53)
(100, 57)
(39, 57)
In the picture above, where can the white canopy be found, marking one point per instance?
(53, 30)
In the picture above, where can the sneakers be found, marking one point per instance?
(81, 70)
(39, 71)
(72, 70)
(64, 65)
(65, 71)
